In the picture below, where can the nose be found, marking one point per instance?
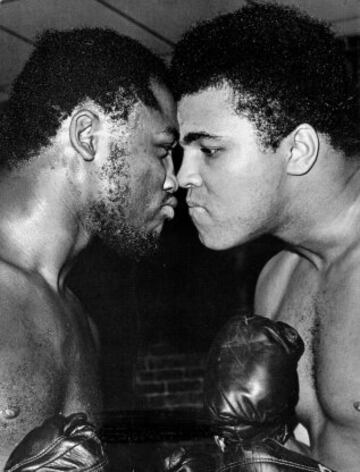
(189, 175)
(170, 184)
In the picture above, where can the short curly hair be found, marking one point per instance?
(285, 68)
(67, 68)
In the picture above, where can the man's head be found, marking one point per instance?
(135, 179)
(284, 67)
(103, 98)
(246, 82)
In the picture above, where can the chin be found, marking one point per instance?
(132, 242)
(220, 242)
(214, 244)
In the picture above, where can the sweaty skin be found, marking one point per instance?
(48, 352)
(307, 194)
(322, 304)
(48, 346)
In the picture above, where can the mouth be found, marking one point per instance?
(197, 212)
(192, 204)
(168, 208)
(172, 202)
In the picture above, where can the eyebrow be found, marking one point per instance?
(171, 131)
(191, 137)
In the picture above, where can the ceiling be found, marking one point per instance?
(156, 23)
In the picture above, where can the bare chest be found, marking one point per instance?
(48, 357)
(323, 307)
(79, 360)
(50, 360)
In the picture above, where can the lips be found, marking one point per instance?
(198, 213)
(168, 208)
(192, 204)
(172, 202)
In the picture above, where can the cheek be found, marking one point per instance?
(244, 180)
(116, 174)
(147, 169)
(147, 187)
(235, 197)
(224, 186)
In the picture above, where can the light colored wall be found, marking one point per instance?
(170, 18)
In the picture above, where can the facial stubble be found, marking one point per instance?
(108, 217)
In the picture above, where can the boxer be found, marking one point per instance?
(85, 139)
(250, 393)
(271, 146)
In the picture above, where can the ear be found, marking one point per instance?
(304, 148)
(83, 133)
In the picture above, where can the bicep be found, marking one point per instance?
(271, 285)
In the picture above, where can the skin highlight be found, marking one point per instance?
(86, 166)
(291, 169)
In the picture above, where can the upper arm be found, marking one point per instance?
(30, 379)
(271, 284)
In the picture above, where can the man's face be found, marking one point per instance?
(137, 178)
(234, 186)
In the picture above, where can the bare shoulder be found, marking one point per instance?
(15, 302)
(29, 374)
(272, 282)
(25, 310)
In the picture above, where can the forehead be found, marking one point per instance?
(210, 110)
(163, 119)
(165, 100)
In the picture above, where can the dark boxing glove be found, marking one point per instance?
(251, 383)
(183, 459)
(268, 456)
(59, 444)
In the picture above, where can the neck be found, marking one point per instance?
(325, 212)
(40, 228)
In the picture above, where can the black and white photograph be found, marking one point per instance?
(180, 235)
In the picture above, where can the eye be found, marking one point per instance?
(166, 150)
(209, 152)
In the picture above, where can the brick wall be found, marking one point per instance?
(165, 380)
(168, 388)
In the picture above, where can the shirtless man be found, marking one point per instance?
(270, 146)
(85, 143)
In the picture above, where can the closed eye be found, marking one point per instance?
(166, 149)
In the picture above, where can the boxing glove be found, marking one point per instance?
(59, 444)
(267, 455)
(183, 459)
(251, 383)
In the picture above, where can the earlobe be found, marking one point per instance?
(83, 137)
(304, 148)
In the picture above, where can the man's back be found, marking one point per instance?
(48, 356)
(322, 304)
